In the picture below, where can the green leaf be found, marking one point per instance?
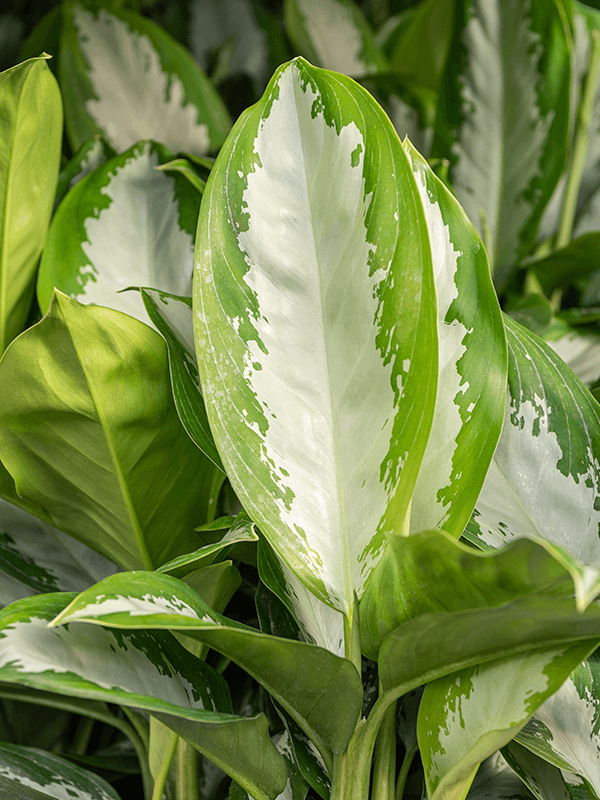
(124, 77)
(544, 479)
(172, 318)
(43, 558)
(429, 572)
(27, 773)
(470, 402)
(466, 716)
(335, 35)
(562, 267)
(578, 346)
(502, 119)
(298, 331)
(150, 671)
(319, 690)
(95, 441)
(186, 168)
(91, 253)
(495, 780)
(543, 779)
(565, 730)
(30, 143)
(90, 155)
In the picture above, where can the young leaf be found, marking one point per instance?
(124, 77)
(544, 479)
(30, 142)
(27, 773)
(502, 119)
(91, 253)
(319, 690)
(312, 246)
(150, 671)
(95, 441)
(465, 717)
(335, 35)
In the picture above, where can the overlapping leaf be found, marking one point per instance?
(144, 670)
(126, 78)
(312, 246)
(95, 441)
(30, 140)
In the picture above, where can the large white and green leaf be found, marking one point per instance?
(146, 670)
(321, 691)
(30, 144)
(503, 118)
(96, 441)
(124, 77)
(27, 773)
(43, 558)
(315, 325)
(90, 155)
(466, 716)
(470, 401)
(334, 34)
(566, 730)
(125, 224)
(545, 780)
(544, 479)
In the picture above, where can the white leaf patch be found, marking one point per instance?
(137, 606)
(135, 97)
(326, 428)
(87, 651)
(334, 35)
(137, 240)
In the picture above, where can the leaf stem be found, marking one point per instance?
(187, 771)
(580, 143)
(404, 770)
(384, 772)
(161, 778)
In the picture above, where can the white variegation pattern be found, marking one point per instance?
(135, 97)
(322, 365)
(580, 350)
(544, 480)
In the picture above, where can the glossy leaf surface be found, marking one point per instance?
(319, 690)
(125, 224)
(30, 142)
(319, 401)
(96, 441)
(150, 671)
(124, 77)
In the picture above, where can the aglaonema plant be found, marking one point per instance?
(354, 370)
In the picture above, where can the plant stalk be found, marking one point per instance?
(404, 770)
(161, 778)
(580, 143)
(187, 771)
(384, 772)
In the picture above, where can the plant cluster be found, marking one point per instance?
(299, 444)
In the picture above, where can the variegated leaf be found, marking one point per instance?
(27, 773)
(90, 155)
(126, 78)
(466, 716)
(312, 246)
(125, 224)
(502, 119)
(495, 780)
(30, 141)
(150, 671)
(308, 681)
(335, 35)
(579, 348)
(566, 730)
(43, 558)
(544, 780)
(544, 479)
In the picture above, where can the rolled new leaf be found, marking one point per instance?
(30, 144)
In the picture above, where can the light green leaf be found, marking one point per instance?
(172, 318)
(150, 671)
(502, 119)
(30, 144)
(27, 773)
(335, 35)
(466, 716)
(320, 691)
(430, 572)
(95, 441)
(565, 730)
(91, 253)
(319, 400)
(543, 779)
(43, 558)
(186, 168)
(470, 401)
(90, 155)
(124, 77)
(544, 479)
